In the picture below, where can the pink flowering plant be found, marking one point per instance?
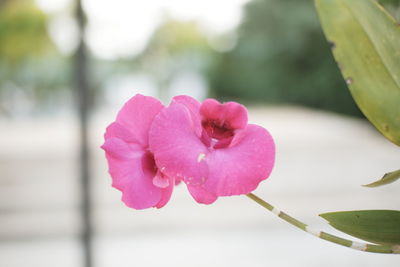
(209, 146)
(212, 149)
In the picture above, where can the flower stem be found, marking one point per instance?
(328, 237)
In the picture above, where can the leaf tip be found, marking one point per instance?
(388, 178)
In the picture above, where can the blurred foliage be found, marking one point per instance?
(174, 37)
(22, 31)
(175, 46)
(30, 66)
(281, 56)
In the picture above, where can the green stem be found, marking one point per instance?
(328, 237)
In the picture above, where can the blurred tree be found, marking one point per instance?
(281, 56)
(174, 46)
(22, 31)
(29, 63)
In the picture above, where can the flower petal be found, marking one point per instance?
(119, 149)
(137, 115)
(193, 106)
(201, 195)
(176, 146)
(166, 194)
(117, 130)
(232, 113)
(160, 180)
(132, 173)
(239, 168)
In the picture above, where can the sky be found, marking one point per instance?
(121, 28)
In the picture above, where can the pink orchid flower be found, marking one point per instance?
(131, 164)
(211, 147)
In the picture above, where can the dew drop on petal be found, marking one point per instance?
(201, 157)
(160, 181)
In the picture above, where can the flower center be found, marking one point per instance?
(217, 130)
(220, 121)
(149, 166)
(216, 134)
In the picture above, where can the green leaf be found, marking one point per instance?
(376, 226)
(388, 178)
(366, 45)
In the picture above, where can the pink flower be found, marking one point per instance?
(131, 164)
(211, 147)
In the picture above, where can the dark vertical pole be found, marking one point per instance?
(83, 101)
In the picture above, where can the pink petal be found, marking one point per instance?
(132, 173)
(137, 115)
(117, 130)
(160, 180)
(232, 113)
(177, 148)
(119, 149)
(201, 195)
(193, 106)
(239, 168)
(166, 194)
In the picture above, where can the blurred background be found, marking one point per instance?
(66, 67)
